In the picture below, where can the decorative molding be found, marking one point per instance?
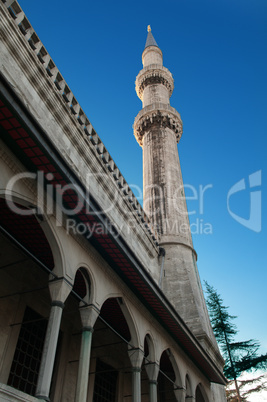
(153, 76)
(146, 119)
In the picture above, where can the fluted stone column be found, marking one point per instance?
(136, 357)
(88, 317)
(59, 291)
(136, 384)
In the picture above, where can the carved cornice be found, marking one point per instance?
(153, 76)
(49, 84)
(159, 117)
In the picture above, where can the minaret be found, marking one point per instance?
(158, 129)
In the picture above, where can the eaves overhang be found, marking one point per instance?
(29, 142)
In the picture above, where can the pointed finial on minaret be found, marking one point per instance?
(150, 41)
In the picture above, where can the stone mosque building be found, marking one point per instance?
(100, 301)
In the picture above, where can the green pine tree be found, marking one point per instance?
(239, 356)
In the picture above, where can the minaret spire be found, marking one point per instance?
(150, 41)
(158, 128)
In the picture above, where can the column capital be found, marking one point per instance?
(87, 329)
(152, 370)
(136, 369)
(190, 398)
(89, 315)
(59, 289)
(180, 394)
(58, 304)
(136, 356)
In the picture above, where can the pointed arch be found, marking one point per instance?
(149, 348)
(201, 395)
(150, 368)
(17, 218)
(32, 250)
(116, 336)
(116, 314)
(170, 382)
(82, 285)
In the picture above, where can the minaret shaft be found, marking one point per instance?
(158, 129)
(164, 200)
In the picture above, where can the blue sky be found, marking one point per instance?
(216, 51)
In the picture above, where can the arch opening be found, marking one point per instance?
(110, 366)
(169, 380)
(113, 316)
(149, 371)
(200, 394)
(110, 349)
(82, 285)
(26, 262)
(25, 230)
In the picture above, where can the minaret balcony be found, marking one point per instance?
(158, 114)
(152, 75)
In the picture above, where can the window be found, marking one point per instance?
(27, 358)
(105, 383)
